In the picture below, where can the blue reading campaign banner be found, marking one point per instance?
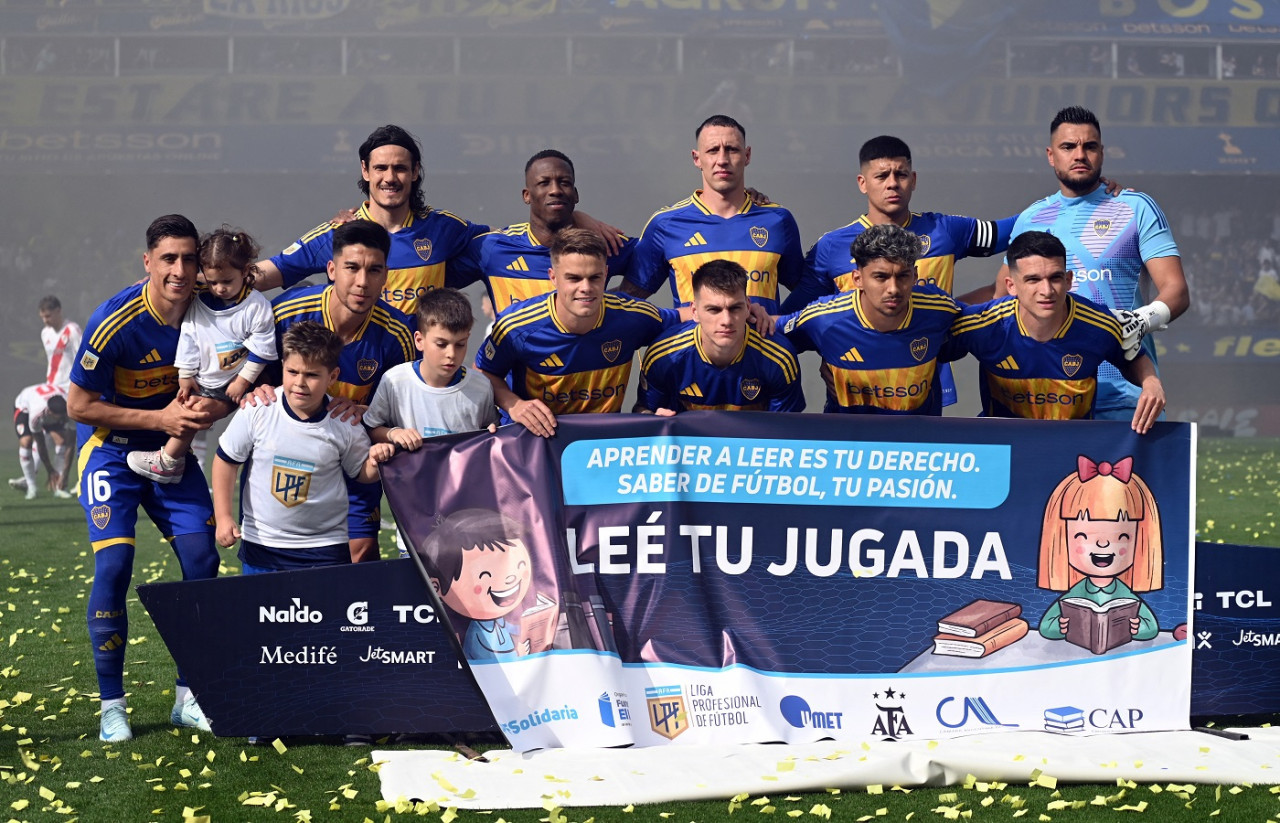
(769, 577)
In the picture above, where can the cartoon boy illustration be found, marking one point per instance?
(1100, 544)
(480, 566)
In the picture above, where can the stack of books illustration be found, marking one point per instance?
(981, 628)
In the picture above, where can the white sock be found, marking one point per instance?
(27, 459)
(106, 704)
(169, 462)
(180, 695)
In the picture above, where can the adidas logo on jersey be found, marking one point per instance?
(1009, 364)
(692, 390)
(552, 362)
(518, 264)
(852, 356)
(696, 240)
(152, 357)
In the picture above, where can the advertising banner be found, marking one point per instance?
(766, 577)
(333, 650)
(1236, 630)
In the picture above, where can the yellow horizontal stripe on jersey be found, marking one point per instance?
(529, 314)
(405, 286)
(297, 306)
(317, 231)
(986, 317)
(722, 406)
(118, 318)
(777, 354)
(507, 291)
(761, 266)
(613, 301)
(1042, 398)
(359, 394)
(903, 389)
(937, 271)
(671, 345)
(140, 383)
(583, 392)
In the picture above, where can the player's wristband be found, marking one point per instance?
(1157, 315)
(250, 370)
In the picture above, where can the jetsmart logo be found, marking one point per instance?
(297, 613)
(538, 718)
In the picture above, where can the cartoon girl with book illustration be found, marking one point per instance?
(1100, 544)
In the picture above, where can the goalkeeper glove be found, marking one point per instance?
(1138, 323)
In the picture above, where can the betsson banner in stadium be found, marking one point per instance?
(756, 577)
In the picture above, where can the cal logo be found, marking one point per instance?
(1101, 226)
(88, 361)
(759, 235)
(1071, 364)
(925, 243)
(101, 516)
(667, 715)
(423, 247)
(290, 481)
(919, 348)
(366, 367)
(611, 350)
(750, 388)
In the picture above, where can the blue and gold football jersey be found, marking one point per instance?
(420, 248)
(1108, 240)
(677, 375)
(571, 373)
(869, 371)
(126, 357)
(945, 238)
(514, 265)
(1023, 377)
(764, 240)
(382, 342)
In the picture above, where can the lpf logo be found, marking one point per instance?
(667, 714)
(290, 481)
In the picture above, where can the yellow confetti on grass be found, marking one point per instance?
(279, 746)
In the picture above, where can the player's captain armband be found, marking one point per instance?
(1137, 324)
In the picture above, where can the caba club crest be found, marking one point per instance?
(611, 350)
(759, 235)
(919, 348)
(1071, 364)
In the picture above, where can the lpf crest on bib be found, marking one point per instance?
(750, 387)
(759, 235)
(423, 247)
(919, 348)
(1071, 364)
(290, 481)
(366, 367)
(227, 359)
(611, 350)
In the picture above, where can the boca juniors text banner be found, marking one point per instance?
(760, 577)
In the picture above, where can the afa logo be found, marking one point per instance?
(423, 247)
(891, 721)
(1071, 364)
(750, 387)
(667, 714)
(366, 367)
(290, 481)
(759, 236)
(925, 243)
(101, 516)
(919, 348)
(611, 350)
(1101, 226)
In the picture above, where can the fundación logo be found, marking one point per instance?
(795, 710)
(615, 710)
(297, 613)
(539, 717)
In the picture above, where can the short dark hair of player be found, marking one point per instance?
(1076, 116)
(578, 241)
(1035, 244)
(720, 276)
(361, 233)
(465, 530)
(886, 242)
(552, 154)
(391, 135)
(313, 343)
(722, 120)
(56, 412)
(231, 247)
(170, 225)
(49, 303)
(884, 147)
(447, 308)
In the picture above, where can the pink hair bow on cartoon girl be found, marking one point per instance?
(1121, 469)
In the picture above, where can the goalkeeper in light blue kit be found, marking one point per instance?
(1111, 242)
